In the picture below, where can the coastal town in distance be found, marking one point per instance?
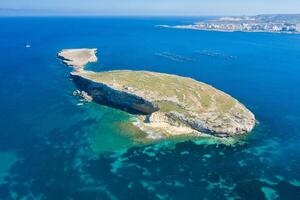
(280, 23)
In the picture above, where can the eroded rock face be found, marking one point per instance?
(106, 95)
(166, 103)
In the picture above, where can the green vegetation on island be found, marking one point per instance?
(167, 105)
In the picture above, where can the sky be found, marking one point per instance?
(147, 7)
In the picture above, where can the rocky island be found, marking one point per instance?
(78, 58)
(166, 104)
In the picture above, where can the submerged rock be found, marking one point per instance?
(167, 103)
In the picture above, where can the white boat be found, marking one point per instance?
(28, 45)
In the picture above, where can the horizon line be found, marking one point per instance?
(138, 15)
(25, 12)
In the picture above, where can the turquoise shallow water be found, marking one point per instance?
(51, 148)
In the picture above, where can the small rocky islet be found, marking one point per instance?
(166, 105)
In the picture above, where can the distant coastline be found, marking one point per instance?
(289, 24)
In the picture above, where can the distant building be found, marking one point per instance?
(298, 27)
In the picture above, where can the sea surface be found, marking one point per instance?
(52, 147)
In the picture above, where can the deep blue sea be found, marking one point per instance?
(53, 148)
